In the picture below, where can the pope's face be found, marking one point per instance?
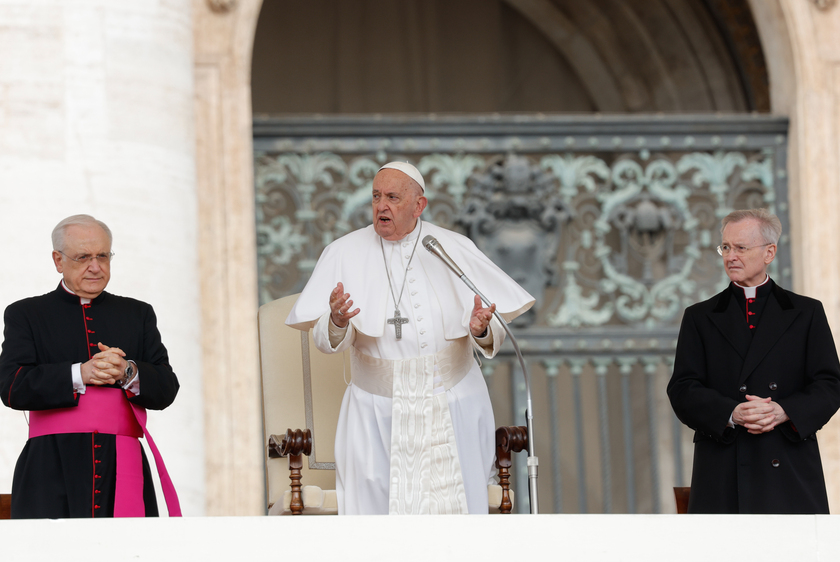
(86, 279)
(749, 255)
(397, 202)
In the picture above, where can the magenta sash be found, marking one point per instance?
(107, 410)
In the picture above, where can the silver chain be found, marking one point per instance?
(388, 269)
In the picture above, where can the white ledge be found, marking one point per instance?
(649, 538)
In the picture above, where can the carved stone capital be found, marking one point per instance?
(222, 6)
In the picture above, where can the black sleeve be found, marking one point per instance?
(158, 383)
(24, 383)
(695, 403)
(813, 405)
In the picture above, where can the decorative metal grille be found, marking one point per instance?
(611, 223)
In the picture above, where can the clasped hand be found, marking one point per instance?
(106, 367)
(759, 415)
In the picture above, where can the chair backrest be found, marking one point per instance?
(302, 388)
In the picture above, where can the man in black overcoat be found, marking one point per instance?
(756, 375)
(58, 346)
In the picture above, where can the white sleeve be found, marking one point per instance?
(329, 338)
(76, 373)
(490, 344)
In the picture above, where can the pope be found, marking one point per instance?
(416, 430)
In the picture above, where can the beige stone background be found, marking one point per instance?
(139, 112)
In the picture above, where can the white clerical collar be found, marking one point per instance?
(749, 292)
(83, 300)
(410, 237)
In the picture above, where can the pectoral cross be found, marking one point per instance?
(398, 321)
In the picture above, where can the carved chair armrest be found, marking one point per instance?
(295, 444)
(509, 439)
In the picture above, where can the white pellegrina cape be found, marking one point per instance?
(416, 430)
(356, 261)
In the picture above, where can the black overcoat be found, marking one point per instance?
(73, 475)
(791, 358)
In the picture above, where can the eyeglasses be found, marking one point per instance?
(87, 258)
(725, 249)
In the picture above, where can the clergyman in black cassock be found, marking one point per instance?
(756, 374)
(74, 474)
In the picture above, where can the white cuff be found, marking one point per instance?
(329, 338)
(76, 373)
(487, 340)
(336, 334)
(134, 386)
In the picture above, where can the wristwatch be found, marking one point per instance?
(130, 373)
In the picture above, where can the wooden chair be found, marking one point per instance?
(302, 389)
(681, 495)
(509, 440)
(5, 506)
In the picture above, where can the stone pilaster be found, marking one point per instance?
(224, 34)
(802, 45)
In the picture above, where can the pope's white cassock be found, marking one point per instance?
(416, 432)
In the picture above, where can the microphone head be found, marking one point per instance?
(431, 244)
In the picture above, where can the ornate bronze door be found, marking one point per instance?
(610, 222)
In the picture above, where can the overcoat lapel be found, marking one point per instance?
(775, 321)
(731, 323)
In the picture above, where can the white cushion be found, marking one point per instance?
(315, 502)
(494, 498)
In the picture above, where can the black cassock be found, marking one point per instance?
(788, 355)
(73, 475)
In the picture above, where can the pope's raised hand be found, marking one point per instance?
(480, 318)
(340, 304)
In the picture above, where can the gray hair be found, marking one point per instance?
(768, 224)
(60, 230)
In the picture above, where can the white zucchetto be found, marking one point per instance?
(408, 170)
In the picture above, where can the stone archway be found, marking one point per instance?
(534, 56)
(797, 37)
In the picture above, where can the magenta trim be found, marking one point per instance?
(107, 410)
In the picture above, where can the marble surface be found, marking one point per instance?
(96, 116)
(595, 538)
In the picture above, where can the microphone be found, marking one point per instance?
(431, 244)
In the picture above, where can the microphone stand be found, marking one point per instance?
(533, 461)
(431, 244)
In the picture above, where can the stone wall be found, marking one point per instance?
(97, 116)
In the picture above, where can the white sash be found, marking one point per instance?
(425, 471)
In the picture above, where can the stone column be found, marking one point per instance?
(97, 117)
(224, 37)
(801, 41)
